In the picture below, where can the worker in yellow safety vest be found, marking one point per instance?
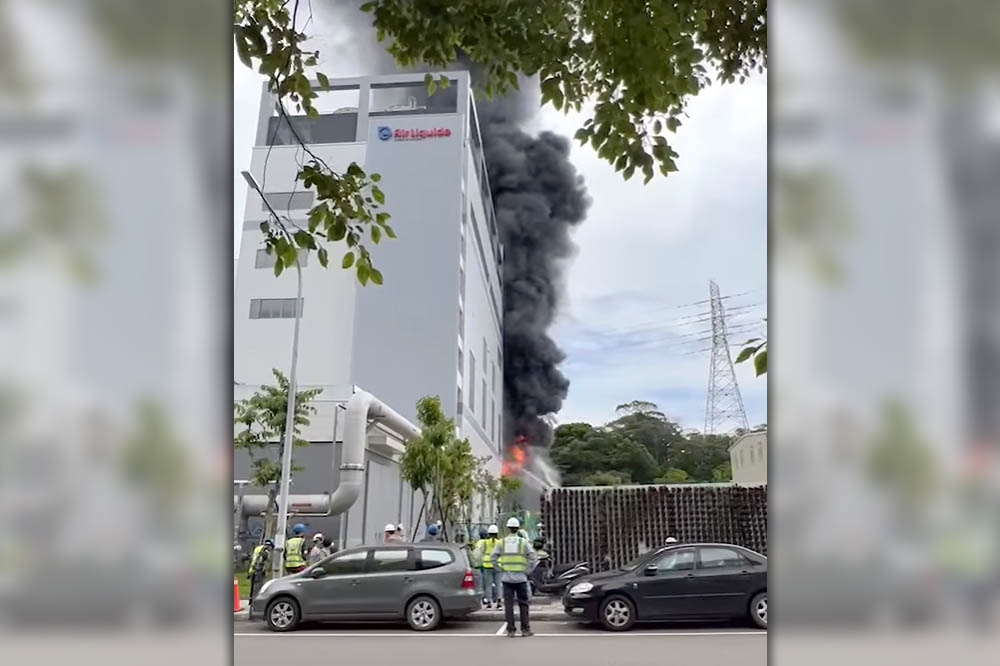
(515, 559)
(484, 550)
(295, 555)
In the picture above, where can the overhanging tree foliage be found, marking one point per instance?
(637, 62)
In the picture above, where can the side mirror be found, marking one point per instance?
(318, 572)
(651, 570)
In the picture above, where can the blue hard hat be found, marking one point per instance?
(432, 529)
(299, 529)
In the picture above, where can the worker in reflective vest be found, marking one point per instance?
(515, 559)
(491, 584)
(295, 557)
(257, 571)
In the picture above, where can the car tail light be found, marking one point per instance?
(468, 582)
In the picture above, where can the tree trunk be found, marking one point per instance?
(420, 517)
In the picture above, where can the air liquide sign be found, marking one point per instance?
(386, 133)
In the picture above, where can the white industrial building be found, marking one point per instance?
(432, 328)
(748, 458)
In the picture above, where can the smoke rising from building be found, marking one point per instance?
(539, 198)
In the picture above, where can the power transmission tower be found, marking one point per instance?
(724, 410)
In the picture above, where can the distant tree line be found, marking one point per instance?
(640, 446)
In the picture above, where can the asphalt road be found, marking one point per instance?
(254, 645)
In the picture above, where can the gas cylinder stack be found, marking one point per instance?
(608, 526)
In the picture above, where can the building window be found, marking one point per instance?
(459, 410)
(741, 458)
(265, 260)
(274, 308)
(285, 201)
(472, 383)
(493, 419)
(461, 281)
(461, 323)
(460, 360)
(484, 396)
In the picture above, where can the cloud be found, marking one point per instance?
(634, 317)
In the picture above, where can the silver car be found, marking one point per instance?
(425, 583)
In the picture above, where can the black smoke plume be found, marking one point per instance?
(538, 197)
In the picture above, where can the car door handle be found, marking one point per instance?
(355, 583)
(744, 573)
(407, 579)
(689, 576)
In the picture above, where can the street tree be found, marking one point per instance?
(633, 66)
(440, 465)
(261, 420)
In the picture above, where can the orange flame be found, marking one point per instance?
(517, 456)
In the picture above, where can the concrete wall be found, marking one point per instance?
(748, 458)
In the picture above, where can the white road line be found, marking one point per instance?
(500, 632)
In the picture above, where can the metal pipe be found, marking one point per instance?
(360, 408)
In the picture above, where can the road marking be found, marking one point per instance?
(500, 632)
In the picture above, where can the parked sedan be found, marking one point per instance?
(423, 583)
(703, 581)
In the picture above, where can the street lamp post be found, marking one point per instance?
(286, 453)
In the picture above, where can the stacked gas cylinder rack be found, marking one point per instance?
(608, 526)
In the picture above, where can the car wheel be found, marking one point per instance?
(617, 613)
(283, 614)
(423, 614)
(758, 610)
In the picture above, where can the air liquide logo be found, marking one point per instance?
(388, 133)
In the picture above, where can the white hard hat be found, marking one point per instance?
(318, 536)
(671, 540)
(390, 528)
(513, 523)
(493, 529)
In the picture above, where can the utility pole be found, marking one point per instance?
(724, 404)
(278, 559)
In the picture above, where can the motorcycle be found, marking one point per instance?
(548, 579)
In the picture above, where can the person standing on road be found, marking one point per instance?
(295, 550)
(257, 571)
(515, 559)
(391, 536)
(491, 584)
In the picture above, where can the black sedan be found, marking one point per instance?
(701, 581)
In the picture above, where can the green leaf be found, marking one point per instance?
(375, 177)
(324, 82)
(658, 126)
(760, 363)
(324, 257)
(379, 195)
(744, 354)
(348, 261)
(375, 276)
(278, 266)
(389, 231)
(376, 234)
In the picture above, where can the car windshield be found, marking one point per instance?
(634, 564)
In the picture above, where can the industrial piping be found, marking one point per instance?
(361, 408)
